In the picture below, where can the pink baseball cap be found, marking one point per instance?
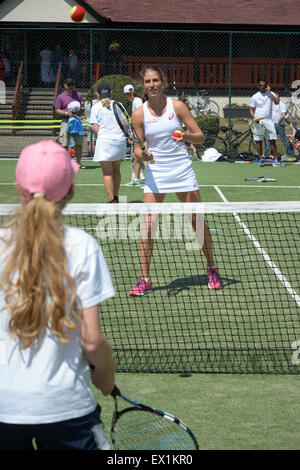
(45, 168)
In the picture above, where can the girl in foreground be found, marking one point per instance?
(52, 278)
(171, 171)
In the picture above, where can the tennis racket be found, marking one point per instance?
(256, 127)
(141, 427)
(87, 123)
(260, 179)
(124, 121)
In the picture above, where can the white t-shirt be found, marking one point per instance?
(49, 382)
(262, 102)
(108, 126)
(136, 103)
(277, 111)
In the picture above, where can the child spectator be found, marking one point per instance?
(295, 138)
(76, 133)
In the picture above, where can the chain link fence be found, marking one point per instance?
(216, 71)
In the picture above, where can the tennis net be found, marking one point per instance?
(250, 325)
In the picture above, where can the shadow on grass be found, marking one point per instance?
(89, 167)
(184, 283)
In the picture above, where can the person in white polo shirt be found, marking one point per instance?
(278, 117)
(261, 105)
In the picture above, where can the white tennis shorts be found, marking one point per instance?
(270, 133)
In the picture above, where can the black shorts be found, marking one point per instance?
(84, 433)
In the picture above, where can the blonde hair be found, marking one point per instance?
(35, 280)
(105, 103)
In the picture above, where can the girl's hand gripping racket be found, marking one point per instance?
(141, 427)
(124, 121)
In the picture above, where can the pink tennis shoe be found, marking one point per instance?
(214, 281)
(142, 287)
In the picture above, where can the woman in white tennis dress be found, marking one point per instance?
(110, 147)
(171, 169)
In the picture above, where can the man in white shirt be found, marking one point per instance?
(261, 105)
(278, 117)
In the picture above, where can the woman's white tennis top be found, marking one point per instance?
(111, 142)
(172, 170)
(108, 126)
(49, 381)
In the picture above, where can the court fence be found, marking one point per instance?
(227, 64)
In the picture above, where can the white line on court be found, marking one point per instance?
(262, 185)
(265, 255)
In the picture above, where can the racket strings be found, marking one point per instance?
(141, 430)
(257, 129)
(122, 120)
(126, 125)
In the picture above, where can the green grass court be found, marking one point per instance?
(229, 176)
(225, 411)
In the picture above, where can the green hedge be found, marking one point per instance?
(209, 124)
(117, 83)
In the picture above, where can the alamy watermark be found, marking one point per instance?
(148, 224)
(295, 98)
(296, 353)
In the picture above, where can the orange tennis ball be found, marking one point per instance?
(72, 152)
(177, 134)
(77, 14)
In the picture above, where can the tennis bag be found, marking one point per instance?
(240, 157)
(246, 157)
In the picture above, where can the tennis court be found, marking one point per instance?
(222, 409)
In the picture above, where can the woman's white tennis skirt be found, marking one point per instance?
(163, 177)
(110, 150)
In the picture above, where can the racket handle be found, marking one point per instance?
(144, 149)
(116, 392)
